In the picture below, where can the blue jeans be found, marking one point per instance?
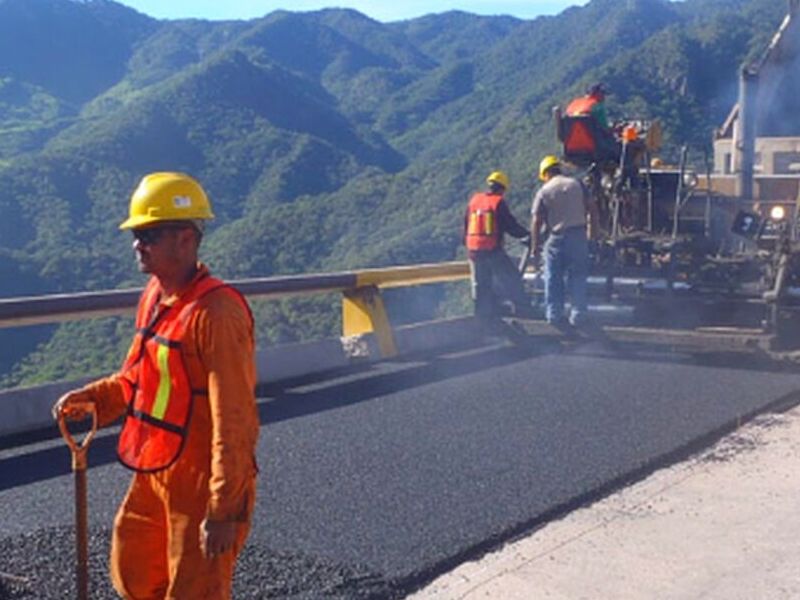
(566, 254)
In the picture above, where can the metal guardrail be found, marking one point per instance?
(363, 309)
(28, 409)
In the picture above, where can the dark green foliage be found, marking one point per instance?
(79, 349)
(326, 140)
(72, 50)
(414, 104)
(456, 36)
(297, 319)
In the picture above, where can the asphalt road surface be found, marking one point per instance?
(376, 480)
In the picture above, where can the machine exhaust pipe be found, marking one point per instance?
(748, 91)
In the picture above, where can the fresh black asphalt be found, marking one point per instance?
(375, 480)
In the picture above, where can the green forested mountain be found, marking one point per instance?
(326, 140)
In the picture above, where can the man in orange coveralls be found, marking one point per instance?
(186, 390)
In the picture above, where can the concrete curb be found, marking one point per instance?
(28, 409)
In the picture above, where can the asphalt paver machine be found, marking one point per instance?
(715, 247)
(673, 253)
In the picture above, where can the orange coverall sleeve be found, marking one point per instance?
(108, 396)
(227, 350)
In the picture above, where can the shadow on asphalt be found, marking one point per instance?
(48, 463)
(361, 383)
(365, 383)
(287, 402)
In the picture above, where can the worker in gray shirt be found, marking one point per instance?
(564, 206)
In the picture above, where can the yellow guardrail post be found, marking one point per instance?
(363, 312)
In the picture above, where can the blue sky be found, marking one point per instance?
(382, 10)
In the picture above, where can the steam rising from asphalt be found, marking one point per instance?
(779, 81)
(777, 107)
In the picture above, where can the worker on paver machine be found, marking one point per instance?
(585, 131)
(611, 156)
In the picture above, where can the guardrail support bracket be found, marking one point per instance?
(363, 312)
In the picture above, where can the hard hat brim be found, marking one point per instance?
(137, 221)
(144, 220)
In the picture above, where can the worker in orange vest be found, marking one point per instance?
(186, 391)
(593, 104)
(493, 275)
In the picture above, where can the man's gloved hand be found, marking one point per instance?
(74, 406)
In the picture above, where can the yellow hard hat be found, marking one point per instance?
(498, 177)
(167, 196)
(548, 162)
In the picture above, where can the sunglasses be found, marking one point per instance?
(153, 235)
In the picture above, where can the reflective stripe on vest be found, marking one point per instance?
(481, 222)
(482, 230)
(158, 391)
(164, 387)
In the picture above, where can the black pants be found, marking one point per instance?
(495, 278)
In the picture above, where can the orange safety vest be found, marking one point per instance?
(158, 392)
(482, 230)
(581, 106)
